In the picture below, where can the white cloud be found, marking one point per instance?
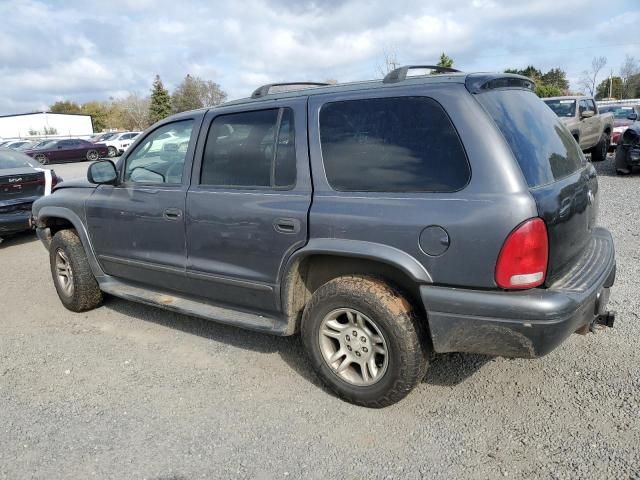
(88, 49)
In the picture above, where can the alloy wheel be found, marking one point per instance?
(64, 272)
(353, 347)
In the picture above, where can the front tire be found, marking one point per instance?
(599, 152)
(72, 276)
(364, 341)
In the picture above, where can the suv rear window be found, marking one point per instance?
(543, 147)
(397, 144)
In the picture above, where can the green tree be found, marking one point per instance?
(556, 77)
(98, 112)
(65, 106)
(445, 61)
(195, 93)
(543, 90)
(160, 104)
(186, 96)
(613, 85)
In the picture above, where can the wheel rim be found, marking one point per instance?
(42, 159)
(92, 155)
(112, 152)
(64, 272)
(353, 347)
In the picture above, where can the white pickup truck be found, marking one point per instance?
(591, 129)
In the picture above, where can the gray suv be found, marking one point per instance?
(384, 221)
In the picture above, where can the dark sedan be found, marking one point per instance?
(67, 150)
(22, 181)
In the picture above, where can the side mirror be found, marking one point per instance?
(102, 172)
(588, 114)
(633, 116)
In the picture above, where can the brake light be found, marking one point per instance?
(523, 259)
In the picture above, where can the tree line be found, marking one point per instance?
(137, 112)
(553, 82)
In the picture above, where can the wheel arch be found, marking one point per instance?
(53, 219)
(325, 259)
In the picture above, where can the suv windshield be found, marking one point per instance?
(543, 147)
(562, 108)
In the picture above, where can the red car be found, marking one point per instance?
(623, 117)
(67, 150)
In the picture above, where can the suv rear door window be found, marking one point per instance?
(396, 144)
(242, 150)
(543, 147)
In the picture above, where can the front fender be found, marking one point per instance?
(45, 213)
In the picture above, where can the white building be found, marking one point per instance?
(45, 124)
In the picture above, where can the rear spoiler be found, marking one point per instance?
(481, 82)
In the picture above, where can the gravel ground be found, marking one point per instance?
(129, 391)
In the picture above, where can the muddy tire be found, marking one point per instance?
(364, 316)
(71, 273)
(622, 168)
(599, 152)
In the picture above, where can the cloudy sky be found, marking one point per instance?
(83, 50)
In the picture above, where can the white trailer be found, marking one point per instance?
(45, 124)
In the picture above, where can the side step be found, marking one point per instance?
(187, 306)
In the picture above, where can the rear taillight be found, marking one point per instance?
(522, 262)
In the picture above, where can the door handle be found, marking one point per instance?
(173, 214)
(286, 225)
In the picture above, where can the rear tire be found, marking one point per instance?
(42, 159)
(354, 313)
(72, 276)
(112, 152)
(599, 152)
(93, 155)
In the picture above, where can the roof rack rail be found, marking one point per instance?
(264, 89)
(400, 74)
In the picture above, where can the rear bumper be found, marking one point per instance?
(527, 323)
(14, 222)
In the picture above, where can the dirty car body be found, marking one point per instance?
(251, 207)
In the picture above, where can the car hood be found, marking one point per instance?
(76, 183)
(622, 123)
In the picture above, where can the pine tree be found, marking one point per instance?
(445, 61)
(160, 106)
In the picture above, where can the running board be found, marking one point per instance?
(194, 308)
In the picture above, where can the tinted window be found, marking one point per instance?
(242, 150)
(160, 157)
(543, 147)
(399, 144)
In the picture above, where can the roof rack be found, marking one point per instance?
(400, 74)
(264, 89)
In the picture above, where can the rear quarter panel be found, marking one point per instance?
(477, 218)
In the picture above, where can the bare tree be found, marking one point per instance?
(389, 62)
(135, 111)
(628, 69)
(588, 80)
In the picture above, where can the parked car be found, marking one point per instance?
(15, 144)
(382, 220)
(21, 182)
(591, 128)
(628, 150)
(623, 116)
(101, 137)
(67, 150)
(118, 143)
(26, 145)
